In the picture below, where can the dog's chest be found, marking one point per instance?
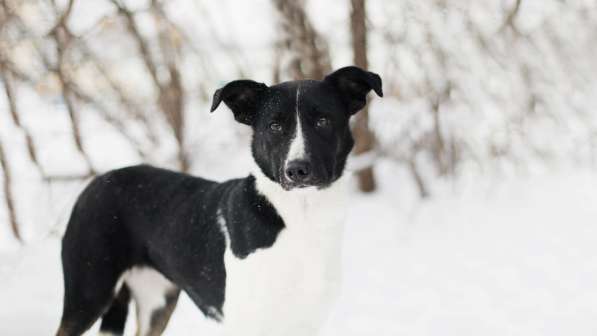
(286, 289)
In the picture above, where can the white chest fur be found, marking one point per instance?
(287, 289)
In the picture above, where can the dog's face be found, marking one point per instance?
(301, 129)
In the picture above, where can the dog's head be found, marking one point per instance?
(301, 128)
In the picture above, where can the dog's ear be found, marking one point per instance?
(354, 84)
(242, 97)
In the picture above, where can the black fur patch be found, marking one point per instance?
(148, 216)
(251, 221)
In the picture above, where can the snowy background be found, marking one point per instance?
(483, 221)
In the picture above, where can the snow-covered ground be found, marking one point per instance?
(486, 255)
(483, 257)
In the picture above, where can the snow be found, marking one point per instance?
(508, 256)
(505, 247)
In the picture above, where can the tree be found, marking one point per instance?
(364, 138)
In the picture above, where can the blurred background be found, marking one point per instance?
(474, 177)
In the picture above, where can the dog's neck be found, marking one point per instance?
(305, 207)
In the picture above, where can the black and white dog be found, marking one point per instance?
(260, 254)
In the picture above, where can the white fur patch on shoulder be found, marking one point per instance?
(222, 225)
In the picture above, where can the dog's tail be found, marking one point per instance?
(114, 319)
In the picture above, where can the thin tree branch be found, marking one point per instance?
(8, 196)
(62, 37)
(171, 98)
(511, 17)
(310, 56)
(141, 43)
(67, 98)
(68, 178)
(171, 92)
(63, 18)
(12, 107)
(102, 110)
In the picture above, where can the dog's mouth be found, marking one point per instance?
(289, 185)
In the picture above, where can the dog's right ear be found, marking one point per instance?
(242, 97)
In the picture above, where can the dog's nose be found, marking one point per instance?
(298, 171)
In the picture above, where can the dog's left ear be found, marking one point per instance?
(242, 97)
(354, 84)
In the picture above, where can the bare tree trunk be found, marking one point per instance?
(364, 138)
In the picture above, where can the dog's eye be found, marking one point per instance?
(275, 127)
(322, 122)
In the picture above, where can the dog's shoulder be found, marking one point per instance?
(250, 221)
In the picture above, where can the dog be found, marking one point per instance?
(259, 254)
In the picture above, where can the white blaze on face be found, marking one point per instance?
(297, 144)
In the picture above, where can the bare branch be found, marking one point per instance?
(12, 107)
(420, 183)
(62, 37)
(171, 99)
(107, 116)
(102, 110)
(170, 92)
(141, 43)
(511, 17)
(68, 178)
(310, 57)
(63, 18)
(127, 103)
(67, 94)
(8, 196)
